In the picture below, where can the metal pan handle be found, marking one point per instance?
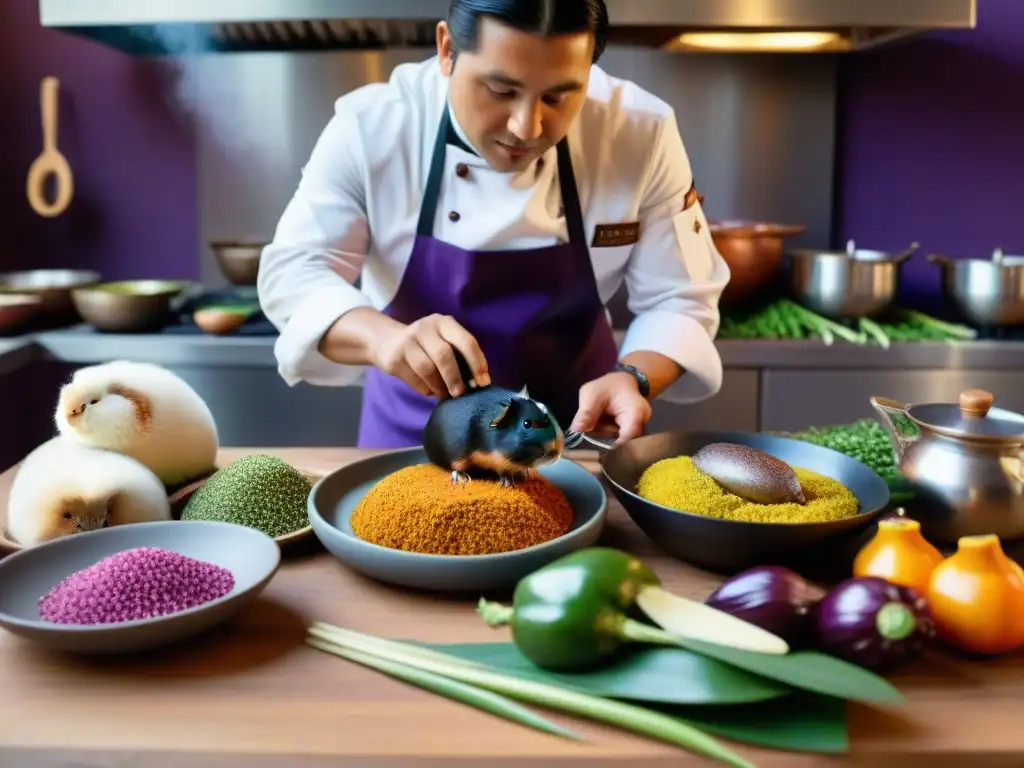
(576, 439)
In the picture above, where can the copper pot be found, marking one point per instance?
(753, 251)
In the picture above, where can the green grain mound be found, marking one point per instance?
(257, 491)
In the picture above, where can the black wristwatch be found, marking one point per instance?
(641, 380)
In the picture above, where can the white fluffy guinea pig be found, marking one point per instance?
(64, 487)
(143, 411)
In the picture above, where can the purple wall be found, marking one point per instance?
(133, 158)
(931, 144)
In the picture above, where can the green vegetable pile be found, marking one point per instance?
(865, 440)
(785, 319)
(576, 648)
(258, 491)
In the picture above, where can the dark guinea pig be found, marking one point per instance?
(491, 431)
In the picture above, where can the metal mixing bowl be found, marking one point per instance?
(846, 284)
(239, 261)
(986, 292)
(53, 287)
(130, 305)
(753, 251)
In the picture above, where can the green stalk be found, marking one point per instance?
(817, 321)
(956, 331)
(872, 329)
(628, 716)
(486, 700)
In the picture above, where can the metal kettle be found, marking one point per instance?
(964, 461)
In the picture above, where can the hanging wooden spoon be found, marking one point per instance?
(50, 161)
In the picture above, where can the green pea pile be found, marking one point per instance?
(257, 491)
(865, 440)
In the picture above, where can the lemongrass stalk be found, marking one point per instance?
(874, 330)
(814, 320)
(488, 701)
(628, 716)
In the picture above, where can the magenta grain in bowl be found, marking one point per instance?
(133, 587)
(140, 583)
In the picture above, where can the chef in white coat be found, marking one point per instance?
(493, 198)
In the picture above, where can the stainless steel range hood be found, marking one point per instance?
(176, 27)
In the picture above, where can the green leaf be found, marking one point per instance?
(809, 670)
(666, 675)
(802, 722)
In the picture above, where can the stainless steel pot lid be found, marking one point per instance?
(972, 416)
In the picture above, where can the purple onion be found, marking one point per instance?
(771, 597)
(872, 623)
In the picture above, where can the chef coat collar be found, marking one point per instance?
(456, 136)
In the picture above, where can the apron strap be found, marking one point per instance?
(570, 196)
(566, 183)
(428, 208)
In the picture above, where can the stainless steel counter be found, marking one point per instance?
(83, 346)
(768, 384)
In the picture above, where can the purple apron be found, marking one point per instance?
(536, 314)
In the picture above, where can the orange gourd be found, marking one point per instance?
(899, 554)
(976, 597)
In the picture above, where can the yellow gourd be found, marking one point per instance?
(976, 597)
(899, 554)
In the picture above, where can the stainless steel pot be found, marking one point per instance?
(964, 462)
(753, 251)
(846, 284)
(986, 292)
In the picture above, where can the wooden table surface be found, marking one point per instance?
(251, 694)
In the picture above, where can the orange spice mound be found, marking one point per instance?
(418, 509)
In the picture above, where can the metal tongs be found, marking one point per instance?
(576, 439)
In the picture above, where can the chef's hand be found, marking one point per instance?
(422, 355)
(612, 405)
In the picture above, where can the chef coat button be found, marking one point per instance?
(696, 226)
(454, 216)
(462, 170)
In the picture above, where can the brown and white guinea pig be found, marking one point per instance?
(144, 411)
(64, 487)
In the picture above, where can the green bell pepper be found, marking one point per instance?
(572, 613)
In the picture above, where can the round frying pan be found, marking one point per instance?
(727, 546)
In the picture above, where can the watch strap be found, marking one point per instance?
(641, 380)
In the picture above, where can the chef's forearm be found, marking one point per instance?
(355, 335)
(661, 371)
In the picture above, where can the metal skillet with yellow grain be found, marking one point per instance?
(818, 499)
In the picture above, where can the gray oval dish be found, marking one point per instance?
(25, 576)
(336, 495)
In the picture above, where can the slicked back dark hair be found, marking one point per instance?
(536, 17)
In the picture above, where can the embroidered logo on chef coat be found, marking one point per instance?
(612, 235)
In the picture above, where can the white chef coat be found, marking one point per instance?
(356, 207)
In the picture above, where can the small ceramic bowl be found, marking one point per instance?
(336, 496)
(25, 576)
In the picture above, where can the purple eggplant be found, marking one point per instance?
(872, 623)
(771, 597)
